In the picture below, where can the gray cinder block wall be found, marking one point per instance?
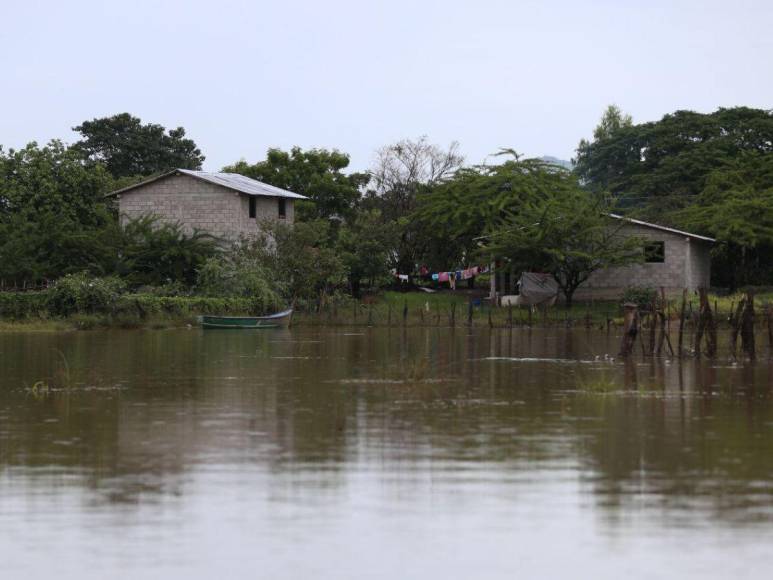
(198, 204)
(687, 264)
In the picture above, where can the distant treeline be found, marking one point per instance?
(419, 205)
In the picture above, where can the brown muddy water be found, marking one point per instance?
(378, 453)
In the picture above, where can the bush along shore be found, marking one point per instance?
(79, 302)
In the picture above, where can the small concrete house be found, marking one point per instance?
(673, 260)
(226, 205)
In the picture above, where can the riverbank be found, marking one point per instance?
(28, 312)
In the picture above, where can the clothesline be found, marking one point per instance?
(451, 277)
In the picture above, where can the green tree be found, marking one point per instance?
(736, 207)
(454, 214)
(363, 247)
(315, 173)
(611, 122)
(53, 213)
(127, 147)
(660, 167)
(561, 229)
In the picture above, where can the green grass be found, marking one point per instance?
(446, 309)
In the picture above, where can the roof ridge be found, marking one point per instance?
(234, 181)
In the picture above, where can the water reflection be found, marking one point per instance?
(304, 426)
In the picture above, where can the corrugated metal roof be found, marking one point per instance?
(659, 227)
(241, 183)
(233, 181)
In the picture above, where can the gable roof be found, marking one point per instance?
(662, 228)
(233, 181)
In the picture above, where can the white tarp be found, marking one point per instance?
(537, 289)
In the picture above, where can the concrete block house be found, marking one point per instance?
(673, 260)
(227, 205)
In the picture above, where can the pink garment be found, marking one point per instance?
(442, 277)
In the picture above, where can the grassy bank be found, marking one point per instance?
(29, 312)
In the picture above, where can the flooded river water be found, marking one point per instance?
(378, 453)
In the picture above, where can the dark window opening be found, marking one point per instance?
(655, 252)
(282, 208)
(253, 207)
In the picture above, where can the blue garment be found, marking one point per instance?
(434, 276)
(458, 274)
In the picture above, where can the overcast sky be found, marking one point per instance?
(242, 76)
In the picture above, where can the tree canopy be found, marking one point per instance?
(661, 166)
(566, 233)
(456, 212)
(403, 173)
(128, 148)
(52, 212)
(315, 173)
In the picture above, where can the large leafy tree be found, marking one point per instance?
(363, 246)
(662, 166)
(561, 229)
(53, 214)
(736, 207)
(456, 212)
(128, 147)
(315, 173)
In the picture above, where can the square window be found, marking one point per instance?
(655, 252)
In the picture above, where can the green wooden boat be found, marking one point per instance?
(246, 322)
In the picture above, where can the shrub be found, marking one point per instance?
(80, 293)
(17, 305)
(239, 276)
(639, 295)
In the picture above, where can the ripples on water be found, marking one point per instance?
(382, 453)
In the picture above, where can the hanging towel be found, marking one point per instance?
(474, 271)
(403, 277)
(458, 274)
(435, 276)
(442, 277)
(466, 274)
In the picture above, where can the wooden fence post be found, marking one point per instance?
(769, 314)
(706, 323)
(630, 328)
(747, 327)
(681, 322)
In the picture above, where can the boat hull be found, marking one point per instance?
(246, 322)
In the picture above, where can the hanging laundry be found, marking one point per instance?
(458, 274)
(403, 277)
(452, 280)
(474, 271)
(435, 276)
(423, 271)
(466, 274)
(442, 276)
